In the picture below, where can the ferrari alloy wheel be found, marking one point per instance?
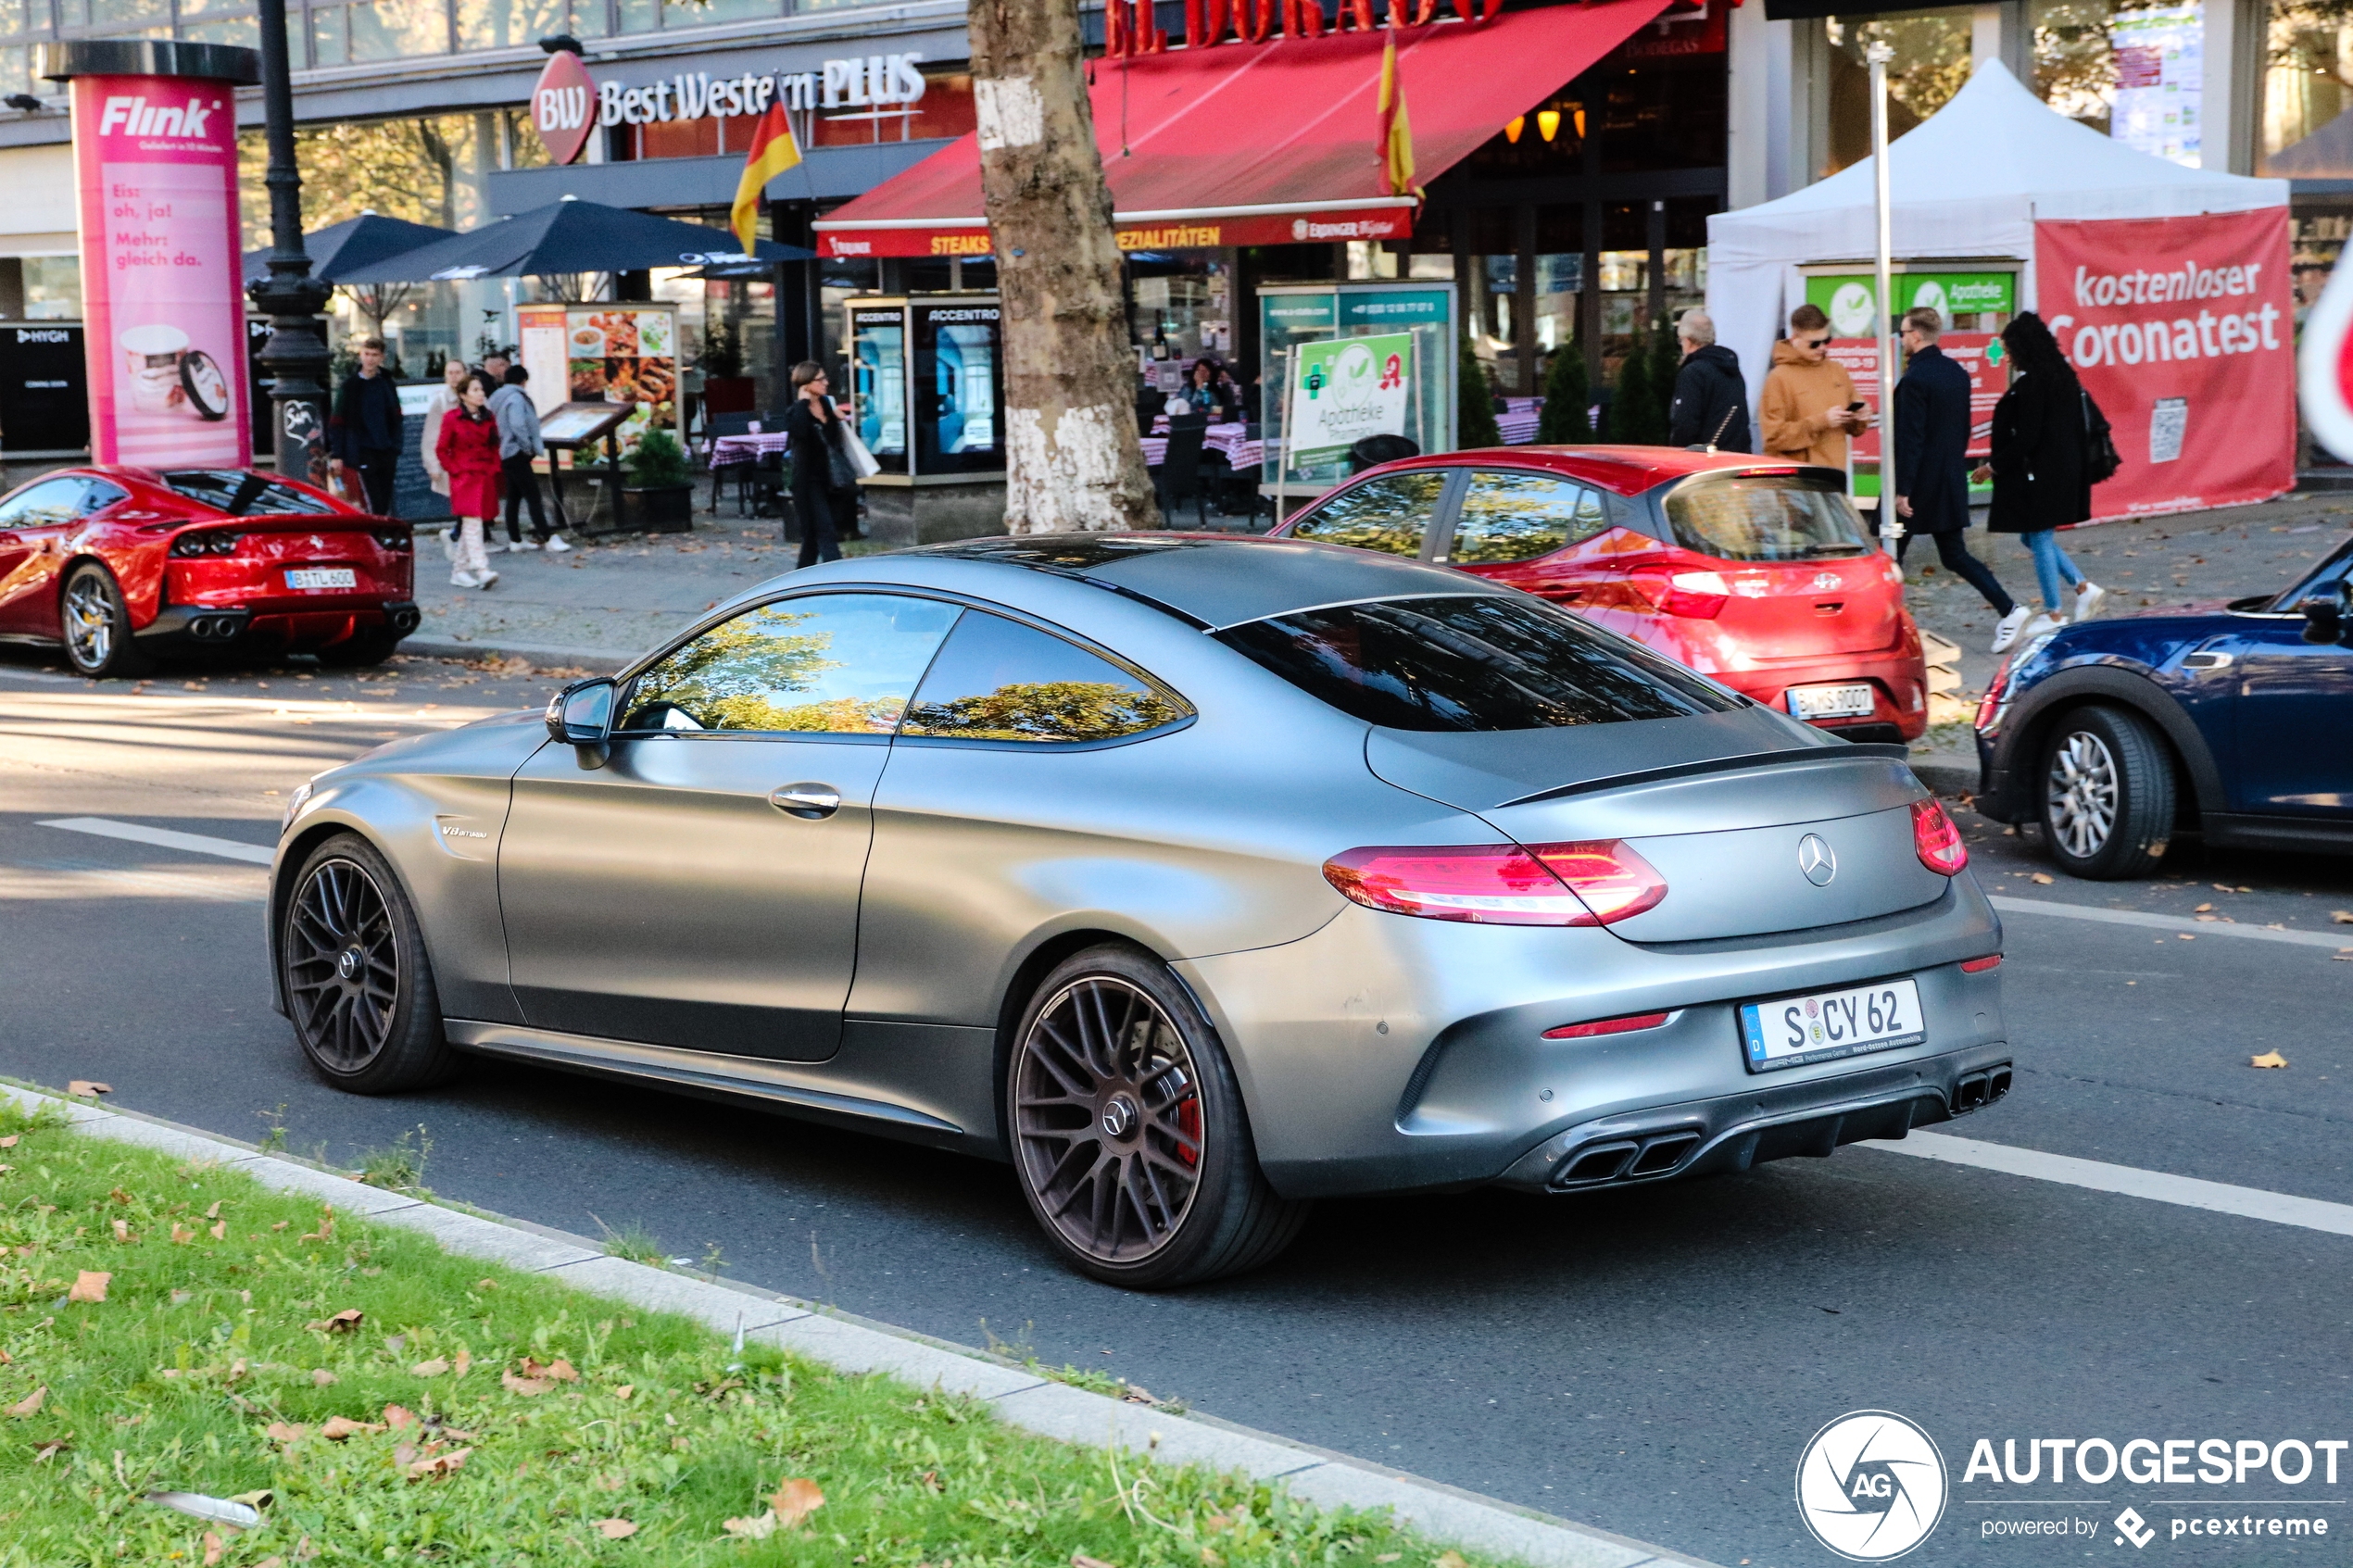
(2107, 795)
(96, 625)
(1128, 1133)
(358, 985)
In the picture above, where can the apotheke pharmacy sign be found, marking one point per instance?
(566, 97)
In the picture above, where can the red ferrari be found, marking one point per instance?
(121, 565)
(1755, 573)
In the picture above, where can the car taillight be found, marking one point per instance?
(1625, 1025)
(1699, 595)
(1936, 839)
(1979, 966)
(1990, 709)
(1595, 883)
(214, 541)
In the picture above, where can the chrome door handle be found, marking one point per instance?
(812, 802)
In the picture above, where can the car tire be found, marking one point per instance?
(360, 650)
(1114, 1071)
(94, 621)
(2105, 795)
(358, 984)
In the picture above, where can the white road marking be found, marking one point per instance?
(72, 884)
(194, 843)
(2164, 923)
(2188, 1191)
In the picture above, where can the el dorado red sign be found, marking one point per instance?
(2182, 331)
(563, 106)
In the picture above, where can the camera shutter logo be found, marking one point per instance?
(1871, 1486)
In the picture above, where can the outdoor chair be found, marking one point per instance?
(1177, 479)
(716, 426)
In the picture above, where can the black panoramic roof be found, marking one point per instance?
(1219, 580)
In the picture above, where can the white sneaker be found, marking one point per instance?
(487, 579)
(450, 544)
(464, 580)
(2089, 596)
(525, 545)
(2011, 625)
(555, 546)
(493, 547)
(2044, 622)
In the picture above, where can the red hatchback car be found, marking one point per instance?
(1757, 573)
(117, 565)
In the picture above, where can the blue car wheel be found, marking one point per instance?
(2106, 795)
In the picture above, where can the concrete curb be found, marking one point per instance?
(596, 662)
(850, 1343)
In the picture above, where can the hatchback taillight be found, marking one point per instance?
(1936, 839)
(1595, 883)
(1701, 596)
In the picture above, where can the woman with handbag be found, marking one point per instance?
(2041, 470)
(469, 452)
(444, 403)
(820, 467)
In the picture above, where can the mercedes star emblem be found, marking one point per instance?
(1816, 860)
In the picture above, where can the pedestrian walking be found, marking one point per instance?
(1931, 465)
(1711, 401)
(519, 446)
(2040, 468)
(443, 402)
(363, 430)
(820, 467)
(469, 453)
(1809, 408)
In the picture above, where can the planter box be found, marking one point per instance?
(667, 509)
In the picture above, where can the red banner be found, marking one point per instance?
(1973, 352)
(2183, 332)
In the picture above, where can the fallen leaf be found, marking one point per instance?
(398, 1416)
(338, 1427)
(2045, 879)
(464, 1362)
(2210, 917)
(2201, 908)
(529, 1388)
(119, 1195)
(285, 1432)
(212, 1549)
(4, 1358)
(221, 1231)
(123, 1231)
(625, 1391)
(2269, 1058)
(432, 1368)
(8, 1141)
(342, 1323)
(182, 1235)
(395, 1343)
(558, 1370)
(2185, 937)
(615, 1529)
(50, 1450)
(439, 1465)
(89, 1286)
(795, 1500)
(82, 1088)
(323, 1378)
(213, 1212)
(2341, 917)
(758, 1527)
(31, 1404)
(403, 1453)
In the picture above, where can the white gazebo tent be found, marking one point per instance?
(1969, 181)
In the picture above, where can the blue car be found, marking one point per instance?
(2232, 721)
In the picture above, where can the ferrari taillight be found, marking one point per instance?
(1595, 883)
(199, 543)
(1936, 838)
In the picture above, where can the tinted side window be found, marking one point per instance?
(1489, 662)
(101, 494)
(1509, 516)
(837, 663)
(54, 500)
(1392, 513)
(998, 680)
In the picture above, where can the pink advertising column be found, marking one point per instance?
(155, 146)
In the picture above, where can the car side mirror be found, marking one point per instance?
(580, 716)
(2328, 616)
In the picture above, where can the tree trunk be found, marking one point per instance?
(1073, 460)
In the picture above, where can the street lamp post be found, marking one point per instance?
(1890, 527)
(296, 355)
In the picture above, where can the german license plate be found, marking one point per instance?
(1832, 702)
(321, 577)
(1794, 1031)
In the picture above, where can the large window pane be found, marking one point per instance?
(506, 24)
(1931, 62)
(2074, 59)
(2308, 90)
(16, 69)
(399, 29)
(243, 31)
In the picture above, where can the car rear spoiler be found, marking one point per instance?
(1715, 765)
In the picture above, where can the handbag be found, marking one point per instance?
(2101, 459)
(839, 474)
(861, 461)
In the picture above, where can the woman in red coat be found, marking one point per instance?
(469, 453)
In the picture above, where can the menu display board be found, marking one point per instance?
(605, 353)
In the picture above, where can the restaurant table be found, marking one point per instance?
(1239, 451)
(729, 450)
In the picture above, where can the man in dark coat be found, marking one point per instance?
(1931, 457)
(1711, 401)
(364, 432)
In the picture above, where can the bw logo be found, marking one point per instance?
(1870, 1485)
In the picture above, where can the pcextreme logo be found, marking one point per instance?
(1870, 1485)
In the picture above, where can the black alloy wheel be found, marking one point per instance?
(94, 623)
(1128, 1133)
(358, 984)
(2106, 796)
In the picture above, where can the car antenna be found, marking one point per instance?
(1709, 447)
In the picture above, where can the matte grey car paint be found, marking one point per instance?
(665, 923)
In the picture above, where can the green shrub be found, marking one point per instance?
(1475, 404)
(657, 463)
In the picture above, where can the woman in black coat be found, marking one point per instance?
(2041, 480)
(815, 430)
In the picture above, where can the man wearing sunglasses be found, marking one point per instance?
(1806, 407)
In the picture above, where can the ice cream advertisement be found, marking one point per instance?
(158, 164)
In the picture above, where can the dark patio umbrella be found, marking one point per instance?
(356, 242)
(568, 236)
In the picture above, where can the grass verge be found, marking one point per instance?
(174, 1328)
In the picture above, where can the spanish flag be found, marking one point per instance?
(773, 152)
(1396, 134)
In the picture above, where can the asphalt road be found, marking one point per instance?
(1651, 1363)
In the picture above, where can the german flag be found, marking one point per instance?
(1396, 134)
(772, 151)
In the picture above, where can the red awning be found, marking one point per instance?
(1264, 144)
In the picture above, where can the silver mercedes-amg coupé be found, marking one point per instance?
(1197, 877)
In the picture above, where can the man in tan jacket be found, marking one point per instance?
(1805, 408)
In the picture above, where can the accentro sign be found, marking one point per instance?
(567, 102)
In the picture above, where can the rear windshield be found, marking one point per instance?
(244, 494)
(1471, 662)
(1767, 517)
